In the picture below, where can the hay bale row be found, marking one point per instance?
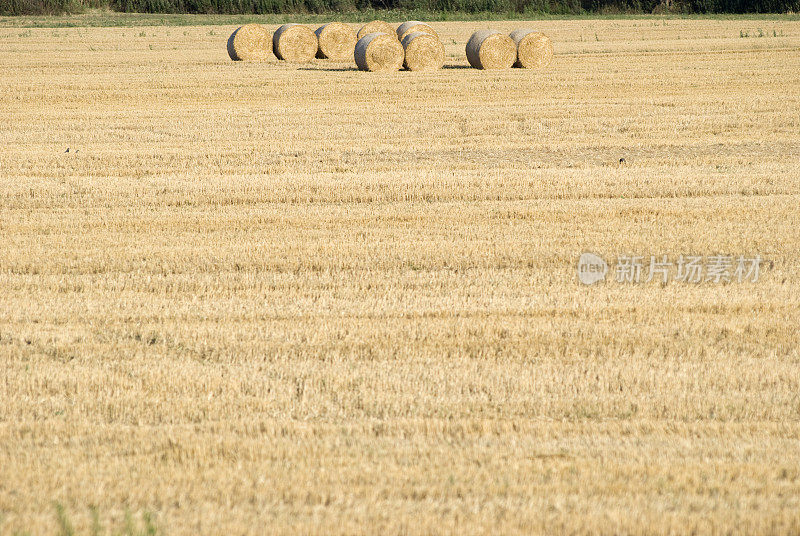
(417, 51)
(379, 52)
(251, 42)
(492, 49)
(413, 45)
(294, 43)
(337, 41)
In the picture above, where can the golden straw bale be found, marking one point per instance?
(251, 42)
(491, 49)
(336, 41)
(423, 52)
(534, 49)
(414, 26)
(294, 43)
(375, 26)
(379, 52)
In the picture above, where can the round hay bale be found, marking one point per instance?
(336, 41)
(423, 52)
(379, 52)
(378, 26)
(414, 26)
(250, 42)
(534, 49)
(294, 43)
(491, 49)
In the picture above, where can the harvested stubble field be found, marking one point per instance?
(268, 298)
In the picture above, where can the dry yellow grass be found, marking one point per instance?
(345, 302)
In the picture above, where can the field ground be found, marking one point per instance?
(263, 298)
